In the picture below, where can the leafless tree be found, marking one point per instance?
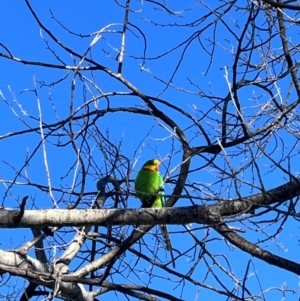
(210, 89)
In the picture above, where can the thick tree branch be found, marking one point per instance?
(204, 214)
(40, 274)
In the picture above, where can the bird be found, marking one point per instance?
(149, 187)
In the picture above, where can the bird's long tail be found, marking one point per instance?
(167, 241)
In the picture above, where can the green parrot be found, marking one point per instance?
(149, 186)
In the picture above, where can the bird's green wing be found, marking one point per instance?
(147, 187)
(161, 191)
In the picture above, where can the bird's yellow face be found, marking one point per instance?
(151, 165)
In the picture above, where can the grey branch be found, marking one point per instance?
(204, 214)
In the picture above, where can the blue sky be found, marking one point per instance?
(140, 137)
